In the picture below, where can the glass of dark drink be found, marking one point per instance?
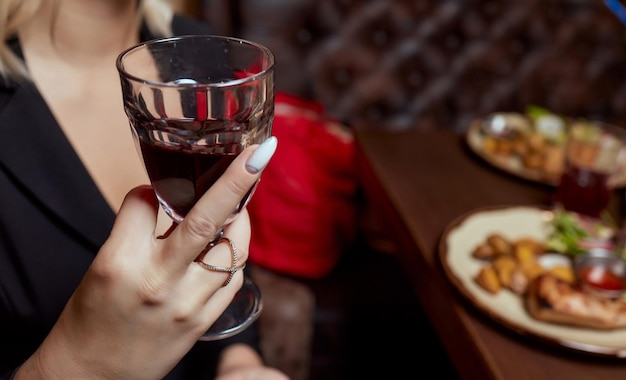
(194, 103)
(594, 167)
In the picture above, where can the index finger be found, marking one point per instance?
(207, 217)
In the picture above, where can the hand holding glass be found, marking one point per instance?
(194, 103)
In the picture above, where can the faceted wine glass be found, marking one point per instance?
(193, 104)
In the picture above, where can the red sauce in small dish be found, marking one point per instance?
(602, 278)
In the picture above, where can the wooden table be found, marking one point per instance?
(419, 182)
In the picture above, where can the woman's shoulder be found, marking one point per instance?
(182, 25)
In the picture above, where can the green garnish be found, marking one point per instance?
(535, 112)
(569, 230)
(566, 234)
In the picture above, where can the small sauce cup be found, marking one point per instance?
(602, 272)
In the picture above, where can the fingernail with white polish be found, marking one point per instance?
(262, 155)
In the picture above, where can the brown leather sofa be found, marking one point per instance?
(401, 64)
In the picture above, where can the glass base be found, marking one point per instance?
(244, 309)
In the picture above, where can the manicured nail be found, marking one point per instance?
(262, 155)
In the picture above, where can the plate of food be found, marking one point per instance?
(516, 265)
(529, 147)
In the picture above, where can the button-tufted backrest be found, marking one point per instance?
(399, 64)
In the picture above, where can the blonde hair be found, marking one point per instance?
(13, 13)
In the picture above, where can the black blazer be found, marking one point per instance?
(53, 219)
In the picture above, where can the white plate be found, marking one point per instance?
(507, 308)
(513, 164)
(510, 164)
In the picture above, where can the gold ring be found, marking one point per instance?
(231, 270)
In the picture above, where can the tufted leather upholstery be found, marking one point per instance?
(399, 64)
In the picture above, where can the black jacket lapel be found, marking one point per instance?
(36, 153)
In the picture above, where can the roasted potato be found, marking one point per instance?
(488, 279)
(484, 251)
(504, 266)
(565, 273)
(533, 160)
(500, 244)
(512, 263)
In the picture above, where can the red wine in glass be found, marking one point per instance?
(584, 191)
(181, 170)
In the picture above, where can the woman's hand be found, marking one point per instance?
(241, 362)
(253, 373)
(144, 302)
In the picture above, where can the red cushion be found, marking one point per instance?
(303, 211)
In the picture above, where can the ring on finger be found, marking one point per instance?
(230, 270)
